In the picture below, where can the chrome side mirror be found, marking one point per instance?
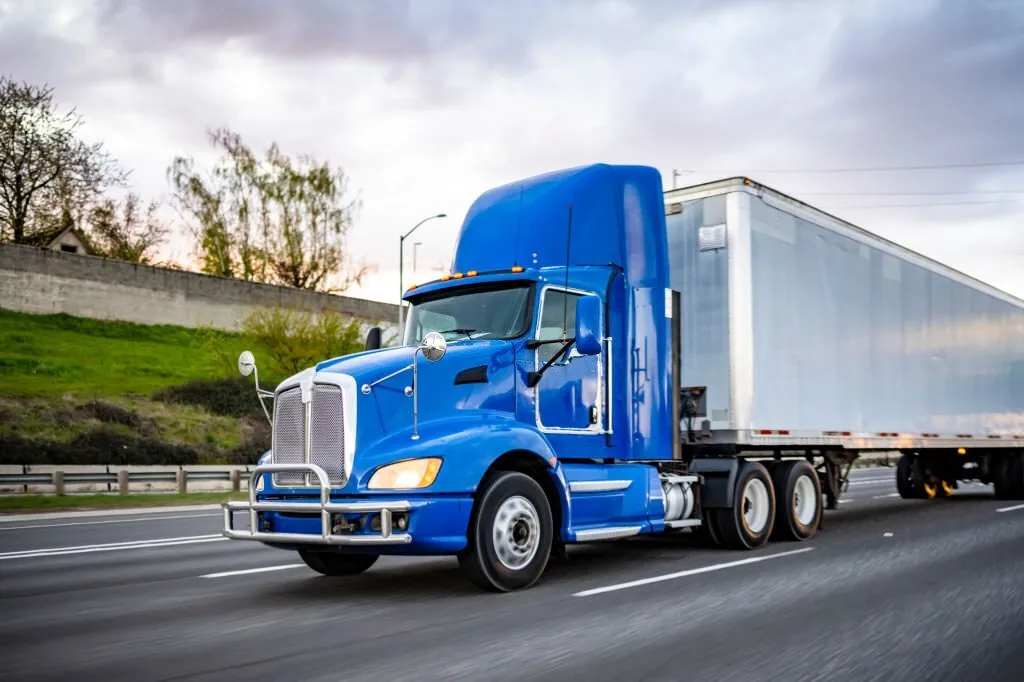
(246, 363)
(247, 366)
(433, 346)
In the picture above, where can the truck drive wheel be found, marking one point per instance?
(798, 496)
(749, 522)
(335, 564)
(510, 534)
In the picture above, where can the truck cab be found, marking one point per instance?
(533, 402)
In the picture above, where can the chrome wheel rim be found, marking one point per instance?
(805, 500)
(516, 532)
(755, 506)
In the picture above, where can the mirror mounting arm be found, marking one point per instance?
(533, 378)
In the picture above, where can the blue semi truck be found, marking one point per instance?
(607, 359)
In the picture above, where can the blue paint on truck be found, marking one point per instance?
(536, 402)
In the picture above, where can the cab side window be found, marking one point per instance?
(557, 321)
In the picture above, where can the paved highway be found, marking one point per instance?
(890, 590)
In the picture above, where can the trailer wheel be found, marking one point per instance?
(329, 563)
(1009, 477)
(748, 524)
(510, 535)
(798, 498)
(911, 482)
(1016, 470)
(1001, 476)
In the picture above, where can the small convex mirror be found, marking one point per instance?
(433, 346)
(246, 363)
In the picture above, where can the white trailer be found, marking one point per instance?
(803, 332)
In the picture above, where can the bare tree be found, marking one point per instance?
(126, 232)
(270, 219)
(47, 174)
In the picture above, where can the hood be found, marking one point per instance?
(472, 375)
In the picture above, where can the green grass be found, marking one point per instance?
(18, 503)
(49, 355)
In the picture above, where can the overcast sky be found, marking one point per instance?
(426, 104)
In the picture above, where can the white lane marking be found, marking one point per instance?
(886, 535)
(94, 523)
(882, 497)
(247, 571)
(873, 481)
(137, 511)
(692, 571)
(845, 501)
(1009, 509)
(110, 547)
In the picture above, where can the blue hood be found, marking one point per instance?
(386, 410)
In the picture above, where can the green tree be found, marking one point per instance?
(268, 219)
(126, 231)
(47, 174)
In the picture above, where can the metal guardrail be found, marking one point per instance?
(115, 478)
(112, 477)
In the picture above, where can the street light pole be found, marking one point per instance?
(401, 263)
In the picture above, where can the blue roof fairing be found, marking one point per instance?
(618, 218)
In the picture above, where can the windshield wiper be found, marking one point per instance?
(461, 330)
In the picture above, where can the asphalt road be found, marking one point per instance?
(890, 590)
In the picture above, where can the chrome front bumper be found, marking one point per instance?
(324, 507)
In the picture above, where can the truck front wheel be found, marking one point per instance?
(329, 563)
(510, 534)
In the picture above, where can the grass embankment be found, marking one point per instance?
(81, 391)
(21, 503)
(52, 355)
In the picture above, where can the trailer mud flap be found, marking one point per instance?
(719, 481)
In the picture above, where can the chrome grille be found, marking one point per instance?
(327, 435)
(286, 441)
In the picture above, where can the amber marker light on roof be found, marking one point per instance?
(517, 268)
(457, 275)
(471, 273)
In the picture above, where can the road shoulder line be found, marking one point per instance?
(132, 511)
(692, 571)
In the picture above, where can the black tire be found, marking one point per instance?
(796, 485)
(1015, 476)
(912, 482)
(707, 532)
(1001, 476)
(337, 564)
(732, 524)
(482, 562)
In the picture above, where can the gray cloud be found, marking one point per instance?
(516, 88)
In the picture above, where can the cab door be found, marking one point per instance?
(568, 397)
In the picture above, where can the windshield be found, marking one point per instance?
(477, 313)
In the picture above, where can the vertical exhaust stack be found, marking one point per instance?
(676, 369)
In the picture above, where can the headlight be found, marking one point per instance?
(412, 473)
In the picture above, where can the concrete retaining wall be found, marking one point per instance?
(44, 282)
